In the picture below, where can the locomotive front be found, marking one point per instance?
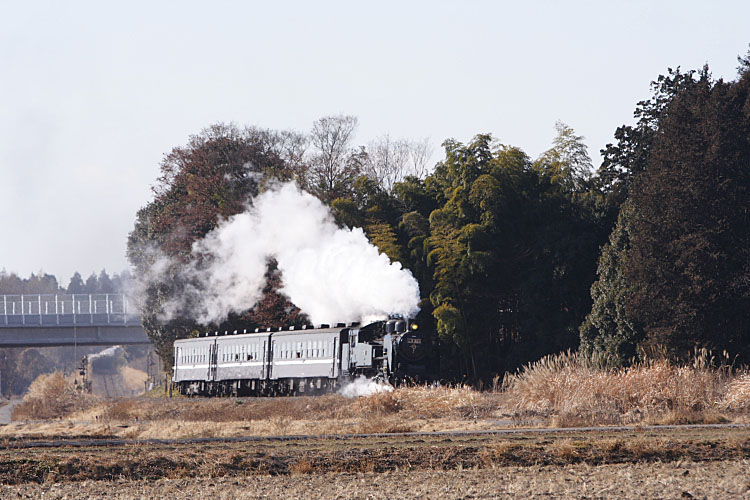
(411, 351)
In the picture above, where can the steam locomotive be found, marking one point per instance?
(275, 362)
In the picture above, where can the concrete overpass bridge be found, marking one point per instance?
(60, 320)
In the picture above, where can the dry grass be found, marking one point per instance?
(738, 393)
(178, 429)
(403, 410)
(407, 403)
(52, 396)
(566, 390)
(281, 425)
(440, 402)
(574, 390)
(302, 467)
(385, 425)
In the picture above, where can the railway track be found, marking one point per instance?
(25, 443)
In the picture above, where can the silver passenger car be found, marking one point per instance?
(290, 361)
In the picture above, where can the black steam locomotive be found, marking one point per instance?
(308, 360)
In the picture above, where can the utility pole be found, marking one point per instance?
(1, 377)
(83, 372)
(149, 369)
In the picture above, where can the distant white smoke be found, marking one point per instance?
(108, 361)
(363, 386)
(109, 352)
(331, 274)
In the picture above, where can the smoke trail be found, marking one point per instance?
(331, 274)
(109, 361)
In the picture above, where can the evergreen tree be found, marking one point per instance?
(41, 283)
(687, 266)
(76, 284)
(92, 284)
(612, 328)
(609, 331)
(384, 237)
(10, 283)
(122, 282)
(629, 155)
(104, 283)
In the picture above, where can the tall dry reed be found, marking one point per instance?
(738, 393)
(581, 390)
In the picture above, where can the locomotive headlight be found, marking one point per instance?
(414, 326)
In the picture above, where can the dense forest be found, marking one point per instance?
(516, 257)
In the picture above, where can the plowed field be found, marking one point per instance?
(679, 463)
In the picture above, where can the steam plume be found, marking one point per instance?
(109, 361)
(363, 386)
(331, 274)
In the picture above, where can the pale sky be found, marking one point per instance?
(92, 94)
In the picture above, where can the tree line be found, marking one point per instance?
(675, 273)
(516, 257)
(44, 283)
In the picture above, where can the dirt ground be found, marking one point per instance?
(669, 463)
(679, 480)
(258, 455)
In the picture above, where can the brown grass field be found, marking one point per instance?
(559, 391)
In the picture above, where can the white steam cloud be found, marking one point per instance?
(331, 274)
(363, 386)
(109, 352)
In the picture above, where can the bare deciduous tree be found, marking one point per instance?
(390, 161)
(333, 164)
(289, 145)
(386, 161)
(420, 152)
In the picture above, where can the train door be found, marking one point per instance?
(213, 359)
(175, 376)
(335, 364)
(265, 369)
(344, 360)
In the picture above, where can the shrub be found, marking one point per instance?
(52, 396)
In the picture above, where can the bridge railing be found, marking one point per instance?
(67, 309)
